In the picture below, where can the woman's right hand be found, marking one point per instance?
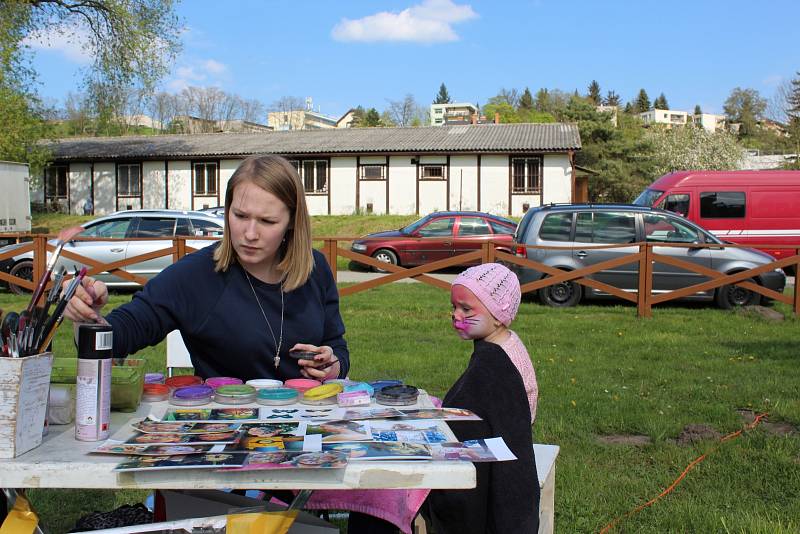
(89, 299)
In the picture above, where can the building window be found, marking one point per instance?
(372, 172)
(433, 172)
(205, 179)
(56, 182)
(313, 173)
(526, 175)
(129, 180)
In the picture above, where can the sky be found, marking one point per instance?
(346, 53)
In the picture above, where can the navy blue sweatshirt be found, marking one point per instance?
(221, 323)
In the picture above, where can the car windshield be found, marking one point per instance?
(648, 197)
(411, 228)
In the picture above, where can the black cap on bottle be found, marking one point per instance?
(95, 341)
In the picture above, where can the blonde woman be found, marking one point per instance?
(244, 303)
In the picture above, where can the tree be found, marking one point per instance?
(371, 118)
(594, 93)
(612, 99)
(642, 102)
(403, 112)
(698, 110)
(503, 109)
(793, 98)
(509, 96)
(693, 148)
(661, 102)
(526, 100)
(443, 97)
(746, 107)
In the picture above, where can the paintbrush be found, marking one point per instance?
(64, 236)
(58, 313)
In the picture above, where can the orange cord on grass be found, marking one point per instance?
(689, 467)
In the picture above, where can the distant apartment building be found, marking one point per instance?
(709, 121)
(300, 119)
(188, 124)
(454, 113)
(670, 117)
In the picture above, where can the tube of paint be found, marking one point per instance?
(93, 382)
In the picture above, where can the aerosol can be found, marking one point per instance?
(93, 382)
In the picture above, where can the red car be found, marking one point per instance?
(451, 233)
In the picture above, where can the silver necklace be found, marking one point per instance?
(278, 342)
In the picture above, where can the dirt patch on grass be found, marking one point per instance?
(761, 312)
(778, 428)
(625, 439)
(695, 433)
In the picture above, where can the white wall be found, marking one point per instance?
(180, 185)
(464, 182)
(494, 184)
(80, 184)
(226, 170)
(402, 185)
(342, 185)
(317, 204)
(105, 188)
(557, 180)
(373, 192)
(153, 184)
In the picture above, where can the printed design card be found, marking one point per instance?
(293, 459)
(477, 450)
(211, 415)
(408, 430)
(214, 460)
(225, 438)
(302, 413)
(386, 412)
(335, 431)
(149, 426)
(446, 414)
(386, 450)
(118, 447)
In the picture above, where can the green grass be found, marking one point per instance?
(600, 371)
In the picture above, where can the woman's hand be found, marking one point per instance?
(325, 364)
(89, 299)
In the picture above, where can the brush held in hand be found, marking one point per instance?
(64, 236)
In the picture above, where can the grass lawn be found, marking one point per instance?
(601, 371)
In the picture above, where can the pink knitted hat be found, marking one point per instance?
(496, 287)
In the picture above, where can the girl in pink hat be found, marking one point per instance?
(499, 385)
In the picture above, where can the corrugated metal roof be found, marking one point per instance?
(477, 138)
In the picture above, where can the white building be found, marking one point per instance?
(498, 168)
(670, 117)
(709, 121)
(461, 112)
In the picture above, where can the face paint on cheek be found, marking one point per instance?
(473, 323)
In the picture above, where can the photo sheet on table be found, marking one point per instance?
(306, 413)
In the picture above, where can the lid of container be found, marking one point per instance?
(377, 385)
(261, 383)
(155, 389)
(217, 381)
(95, 341)
(302, 383)
(153, 378)
(277, 394)
(323, 392)
(193, 392)
(360, 386)
(183, 380)
(237, 390)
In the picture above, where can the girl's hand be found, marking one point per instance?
(88, 301)
(324, 365)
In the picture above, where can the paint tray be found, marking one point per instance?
(127, 380)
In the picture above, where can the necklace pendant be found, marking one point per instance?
(277, 360)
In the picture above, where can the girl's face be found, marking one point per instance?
(471, 319)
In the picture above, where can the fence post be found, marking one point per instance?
(796, 306)
(488, 252)
(39, 257)
(178, 248)
(331, 246)
(645, 282)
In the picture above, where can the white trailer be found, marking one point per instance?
(15, 199)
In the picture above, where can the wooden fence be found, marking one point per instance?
(643, 297)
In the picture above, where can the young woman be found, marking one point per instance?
(242, 304)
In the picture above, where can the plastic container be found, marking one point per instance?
(302, 384)
(154, 378)
(183, 381)
(264, 383)
(155, 393)
(397, 395)
(235, 394)
(127, 379)
(377, 385)
(217, 381)
(277, 396)
(191, 395)
(360, 386)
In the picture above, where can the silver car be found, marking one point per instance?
(574, 226)
(124, 226)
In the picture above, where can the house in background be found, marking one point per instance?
(709, 121)
(459, 112)
(670, 117)
(499, 168)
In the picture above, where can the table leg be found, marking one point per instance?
(300, 500)
(10, 497)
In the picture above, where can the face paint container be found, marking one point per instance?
(93, 382)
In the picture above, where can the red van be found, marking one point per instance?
(743, 207)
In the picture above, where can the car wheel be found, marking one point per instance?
(24, 270)
(386, 256)
(733, 296)
(562, 295)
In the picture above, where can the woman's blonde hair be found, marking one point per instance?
(277, 176)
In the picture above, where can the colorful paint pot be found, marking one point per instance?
(276, 396)
(360, 386)
(183, 381)
(192, 395)
(154, 378)
(377, 385)
(398, 395)
(321, 395)
(264, 383)
(155, 392)
(235, 394)
(217, 381)
(302, 384)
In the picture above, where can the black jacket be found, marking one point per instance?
(506, 497)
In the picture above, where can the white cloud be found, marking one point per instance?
(772, 81)
(71, 43)
(201, 72)
(214, 67)
(429, 22)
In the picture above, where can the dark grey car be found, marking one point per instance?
(129, 229)
(578, 227)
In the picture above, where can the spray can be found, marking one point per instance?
(93, 382)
